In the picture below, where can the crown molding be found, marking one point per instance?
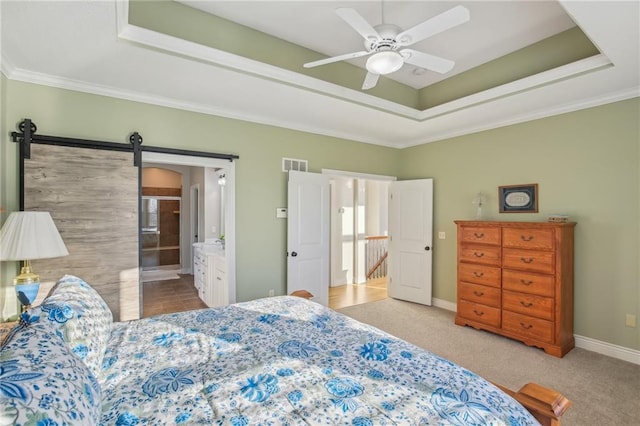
(26, 76)
(578, 105)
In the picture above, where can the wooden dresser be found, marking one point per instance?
(516, 279)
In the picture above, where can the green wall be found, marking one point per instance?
(586, 165)
(8, 202)
(260, 182)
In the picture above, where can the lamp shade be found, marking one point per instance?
(30, 235)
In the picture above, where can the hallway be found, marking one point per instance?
(355, 294)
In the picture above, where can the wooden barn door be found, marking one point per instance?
(92, 195)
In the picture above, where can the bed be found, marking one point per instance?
(278, 361)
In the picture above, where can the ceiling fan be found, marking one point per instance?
(386, 44)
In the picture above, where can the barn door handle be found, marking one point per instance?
(294, 254)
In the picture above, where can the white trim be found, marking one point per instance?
(444, 304)
(619, 96)
(201, 52)
(367, 176)
(582, 342)
(608, 349)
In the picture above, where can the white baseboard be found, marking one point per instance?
(444, 304)
(609, 349)
(587, 343)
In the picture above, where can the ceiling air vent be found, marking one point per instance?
(294, 164)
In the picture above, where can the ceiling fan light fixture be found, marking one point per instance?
(384, 62)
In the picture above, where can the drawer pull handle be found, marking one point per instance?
(480, 235)
(476, 254)
(526, 326)
(478, 274)
(526, 304)
(478, 293)
(527, 260)
(481, 313)
(526, 282)
(529, 238)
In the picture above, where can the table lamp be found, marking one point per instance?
(27, 236)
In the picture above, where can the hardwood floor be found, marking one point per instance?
(355, 294)
(168, 296)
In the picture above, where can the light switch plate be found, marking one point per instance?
(442, 235)
(281, 212)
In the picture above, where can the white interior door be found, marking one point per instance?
(410, 243)
(308, 234)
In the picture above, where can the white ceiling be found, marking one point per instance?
(90, 46)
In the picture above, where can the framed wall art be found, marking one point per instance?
(518, 198)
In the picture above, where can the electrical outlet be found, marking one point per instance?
(630, 320)
(442, 235)
(272, 292)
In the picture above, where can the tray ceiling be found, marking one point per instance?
(93, 47)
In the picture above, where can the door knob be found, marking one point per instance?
(294, 254)
(427, 248)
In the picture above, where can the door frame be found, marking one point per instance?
(194, 220)
(354, 175)
(230, 202)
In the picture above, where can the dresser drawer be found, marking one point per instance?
(529, 238)
(480, 294)
(528, 260)
(480, 235)
(527, 282)
(480, 313)
(528, 304)
(479, 274)
(527, 326)
(476, 253)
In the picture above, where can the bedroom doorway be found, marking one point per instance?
(359, 238)
(203, 214)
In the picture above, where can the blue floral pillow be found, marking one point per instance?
(83, 318)
(42, 382)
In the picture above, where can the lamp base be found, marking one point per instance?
(27, 285)
(27, 276)
(27, 294)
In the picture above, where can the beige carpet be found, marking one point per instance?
(603, 390)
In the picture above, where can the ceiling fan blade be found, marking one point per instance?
(344, 57)
(427, 61)
(353, 18)
(370, 81)
(439, 23)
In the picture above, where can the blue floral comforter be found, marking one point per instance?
(286, 361)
